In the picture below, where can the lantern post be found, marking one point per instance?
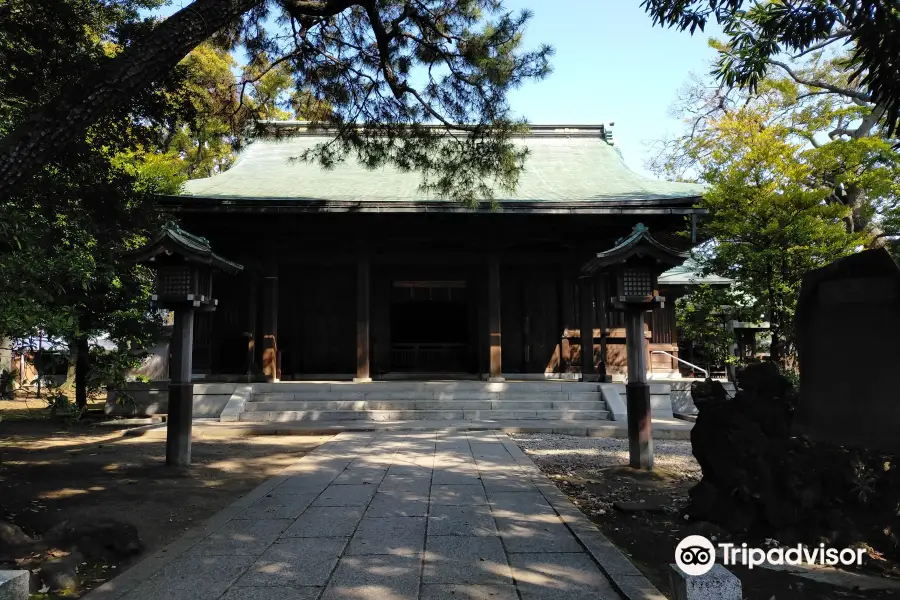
(635, 263)
(184, 264)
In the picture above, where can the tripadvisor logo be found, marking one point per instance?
(696, 555)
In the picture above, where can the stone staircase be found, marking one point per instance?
(424, 400)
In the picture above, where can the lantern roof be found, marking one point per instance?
(638, 243)
(173, 241)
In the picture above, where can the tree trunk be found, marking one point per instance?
(53, 127)
(82, 365)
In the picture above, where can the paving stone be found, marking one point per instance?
(346, 495)
(458, 495)
(559, 577)
(272, 593)
(305, 484)
(389, 535)
(449, 476)
(361, 476)
(278, 507)
(530, 536)
(193, 576)
(326, 521)
(243, 537)
(638, 587)
(457, 559)
(470, 591)
(375, 578)
(410, 483)
(398, 504)
(500, 483)
(461, 520)
(295, 562)
(522, 506)
(407, 470)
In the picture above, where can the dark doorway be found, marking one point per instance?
(429, 326)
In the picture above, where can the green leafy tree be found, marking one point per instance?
(814, 104)
(206, 119)
(701, 316)
(62, 231)
(382, 67)
(768, 226)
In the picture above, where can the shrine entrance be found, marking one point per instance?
(431, 327)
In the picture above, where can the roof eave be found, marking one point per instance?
(662, 206)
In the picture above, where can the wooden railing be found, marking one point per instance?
(433, 357)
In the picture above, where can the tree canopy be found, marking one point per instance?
(801, 172)
(64, 229)
(760, 33)
(381, 68)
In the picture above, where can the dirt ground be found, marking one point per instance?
(593, 473)
(50, 472)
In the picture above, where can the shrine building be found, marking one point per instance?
(353, 273)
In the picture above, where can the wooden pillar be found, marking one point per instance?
(363, 287)
(603, 305)
(495, 372)
(250, 332)
(586, 310)
(270, 326)
(381, 321)
(181, 391)
(566, 313)
(637, 393)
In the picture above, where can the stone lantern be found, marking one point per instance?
(634, 264)
(184, 264)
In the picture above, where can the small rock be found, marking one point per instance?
(61, 574)
(12, 536)
(710, 531)
(639, 506)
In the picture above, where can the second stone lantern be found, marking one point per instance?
(633, 266)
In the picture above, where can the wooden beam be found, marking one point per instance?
(363, 293)
(495, 372)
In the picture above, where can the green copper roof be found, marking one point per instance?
(575, 164)
(688, 273)
(173, 240)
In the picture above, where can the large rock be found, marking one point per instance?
(743, 448)
(98, 539)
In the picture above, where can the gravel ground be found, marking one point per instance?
(562, 454)
(573, 462)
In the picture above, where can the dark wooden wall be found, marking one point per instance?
(316, 259)
(317, 319)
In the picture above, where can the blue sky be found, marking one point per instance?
(611, 65)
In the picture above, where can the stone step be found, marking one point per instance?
(420, 415)
(294, 405)
(425, 395)
(452, 387)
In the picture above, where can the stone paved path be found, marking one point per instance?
(394, 516)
